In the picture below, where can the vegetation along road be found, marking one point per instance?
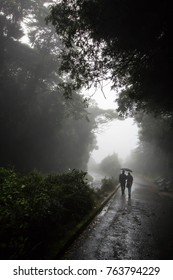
(139, 228)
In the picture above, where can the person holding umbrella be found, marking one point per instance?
(122, 181)
(126, 180)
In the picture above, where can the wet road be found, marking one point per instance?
(139, 229)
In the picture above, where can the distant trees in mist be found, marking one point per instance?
(108, 167)
(153, 156)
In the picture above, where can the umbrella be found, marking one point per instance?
(126, 169)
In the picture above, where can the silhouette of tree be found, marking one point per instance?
(128, 42)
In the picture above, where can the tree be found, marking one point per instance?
(153, 156)
(38, 128)
(128, 42)
(110, 166)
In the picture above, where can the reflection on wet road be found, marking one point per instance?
(139, 228)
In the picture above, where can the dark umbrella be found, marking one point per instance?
(126, 169)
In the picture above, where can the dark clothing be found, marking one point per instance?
(122, 180)
(129, 183)
(129, 178)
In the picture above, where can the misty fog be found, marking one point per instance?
(52, 123)
(40, 129)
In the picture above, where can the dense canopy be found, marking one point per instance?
(38, 128)
(128, 42)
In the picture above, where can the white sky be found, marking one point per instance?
(118, 137)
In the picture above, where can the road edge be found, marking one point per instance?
(83, 225)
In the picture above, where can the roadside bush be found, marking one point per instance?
(33, 207)
(108, 184)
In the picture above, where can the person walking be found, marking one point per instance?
(122, 181)
(129, 183)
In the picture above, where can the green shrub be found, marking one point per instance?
(108, 184)
(34, 207)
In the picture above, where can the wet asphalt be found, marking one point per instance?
(140, 228)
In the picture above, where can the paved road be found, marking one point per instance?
(139, 228)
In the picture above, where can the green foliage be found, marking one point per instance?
(89, 178)
(35, 207)
(128, 42)
(108, 184)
